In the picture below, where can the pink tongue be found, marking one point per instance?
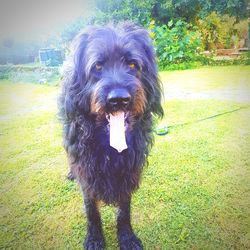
(117, 131)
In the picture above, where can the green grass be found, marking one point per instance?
(208, 78)
(194, 193)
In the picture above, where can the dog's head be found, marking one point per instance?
(112, 69)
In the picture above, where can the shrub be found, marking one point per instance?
(212, 31)
(221, 31)
(242, 29)
(176, 43)
(32, 74)
(5, 71)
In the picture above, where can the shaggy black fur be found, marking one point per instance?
(116, 61)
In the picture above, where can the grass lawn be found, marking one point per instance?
(194, 193)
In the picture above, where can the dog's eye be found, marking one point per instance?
(131, 65)
(98, 67)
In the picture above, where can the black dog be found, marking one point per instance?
(110, 91)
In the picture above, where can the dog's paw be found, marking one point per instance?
(129, 241)
(94, 243)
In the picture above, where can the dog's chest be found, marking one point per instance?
(109, 159)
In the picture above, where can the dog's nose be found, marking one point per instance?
(119, 98)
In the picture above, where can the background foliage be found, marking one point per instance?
(181, 29)
(176, 43)
(162, 11)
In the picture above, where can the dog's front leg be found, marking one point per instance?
(127, 238)
(94, 239)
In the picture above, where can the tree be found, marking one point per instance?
(162, 11)
(235, 8)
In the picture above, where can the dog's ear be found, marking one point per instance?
(152, 81)
(78, 48)
(74, 78)
(150, 78)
